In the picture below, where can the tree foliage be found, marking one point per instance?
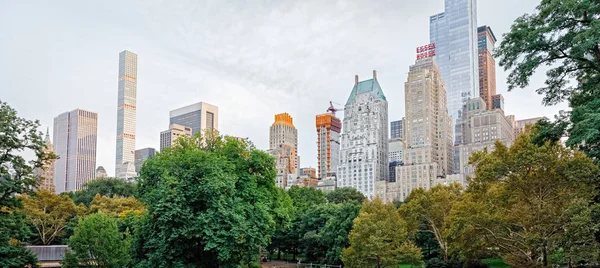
(17, 135)
(379, 238)
(210, 202)
(305, 198)
(97, 242)
(432, 207)
(104, 187)
(528, 202)
(49, 214)
(117, 206)
(345, 194)
(564, 36)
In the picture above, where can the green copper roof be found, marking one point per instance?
(370, 86)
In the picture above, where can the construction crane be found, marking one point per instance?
(333, 109)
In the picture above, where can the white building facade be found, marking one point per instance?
(364, 140)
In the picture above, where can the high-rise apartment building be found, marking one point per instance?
(45, 173)
(126, 107)
(428, 152)
(329, 128)
(364, 141)
(75, 137)
(141, 156)
(396, 129)
(198, 116)
(168, 137)
(454, 33)
(283, 145)
(483, 129)
(521, 124)
(498, 102)
(395, 147)
(487, 65)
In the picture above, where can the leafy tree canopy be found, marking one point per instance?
(564, 36)
(527, 201)
(211, 202)
(305, 198)
(104, 187)
(49, 214)
(16, 177)
(379, 238)
(345, 194)
(97, 242)
(117, 206)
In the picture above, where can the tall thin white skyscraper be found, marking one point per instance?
(75, 138)
(454, 33)
(126, 106)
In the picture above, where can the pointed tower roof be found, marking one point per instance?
(370, 86)
(47, 139)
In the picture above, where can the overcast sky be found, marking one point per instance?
(252, 59)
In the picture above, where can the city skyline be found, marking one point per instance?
(177, 75)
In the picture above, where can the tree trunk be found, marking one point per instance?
(544, 256)
(279, 253)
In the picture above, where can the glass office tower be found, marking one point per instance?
(454, 32)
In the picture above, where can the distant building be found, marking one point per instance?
(487, 65)
(101, 172)
(393, 167)
(521, 124)
(126, 109)
(283, 145)
(168, 137)
(395, 147)
(49, 256)
(484, 128)
(75, 139)
(326, 184)
(198, 116)
(329, 128)
(396, 129)
(285, 157)
(428, 151)
(127, 171)
(309, 172)
(364, 141)
(141, 156)
(498, 102)
(45, 173)
(454, 33)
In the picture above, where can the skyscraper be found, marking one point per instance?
(283, 145)
(126, 106)
(328, 143)
(364, 141)
(396, 129)
(487, 65)
(428, 145)
(454, 33)
(198, 116)
(168, 137)
(75, 137)
(141, 156)
(101, 172)
(45, 173)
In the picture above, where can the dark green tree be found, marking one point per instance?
(345, 194)
(564, 36)
(17, 135)
(104, 187)
(97, 242)
(305, 198)
(211, 202)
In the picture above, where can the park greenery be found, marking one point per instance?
(211, 200)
